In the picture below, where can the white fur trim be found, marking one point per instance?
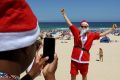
(16, 40)
(84, 24)
(84, 62)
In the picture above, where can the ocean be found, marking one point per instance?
(63, 25)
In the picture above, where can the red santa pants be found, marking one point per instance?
(75, 67)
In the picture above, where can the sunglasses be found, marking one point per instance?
(84, 26)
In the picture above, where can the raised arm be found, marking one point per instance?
(65, 17)
(109, 31)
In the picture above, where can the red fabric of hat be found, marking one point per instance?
(18, 25)
(16, 16)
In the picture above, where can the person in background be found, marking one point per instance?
(83, 40)
(19, 31)
(100, 54)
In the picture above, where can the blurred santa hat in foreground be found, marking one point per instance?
(18, 25)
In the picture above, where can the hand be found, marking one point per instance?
(37, 66)
(114, 26)
(50, 68)
(63, 11)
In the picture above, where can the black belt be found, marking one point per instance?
(81, 48)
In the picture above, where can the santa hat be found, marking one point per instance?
(84, 23)
(18, 25)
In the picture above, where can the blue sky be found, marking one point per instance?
(77, 10)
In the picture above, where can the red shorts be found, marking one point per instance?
(75, 67)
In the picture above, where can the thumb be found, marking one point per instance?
(43, 60)
(62, 9)
(115, 25)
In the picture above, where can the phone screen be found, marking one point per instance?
(49, 48)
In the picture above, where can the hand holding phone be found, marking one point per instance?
(49, 48)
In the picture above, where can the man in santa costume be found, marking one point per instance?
(83, 40)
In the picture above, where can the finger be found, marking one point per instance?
(55, 56)
(53, 65)
(37, 57)
(41, 56)
(115, 25)
(43, 60)
(55, 59)
(62, 10)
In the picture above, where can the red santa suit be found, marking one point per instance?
(78, 54)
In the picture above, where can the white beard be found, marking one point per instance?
(84, 31)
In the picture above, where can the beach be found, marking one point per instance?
(106, 70)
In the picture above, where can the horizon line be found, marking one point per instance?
(75, 21)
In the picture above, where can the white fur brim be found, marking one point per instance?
(85, 24)
(16, 40)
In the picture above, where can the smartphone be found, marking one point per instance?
(49, 48)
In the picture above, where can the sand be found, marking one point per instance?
(109, 69)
